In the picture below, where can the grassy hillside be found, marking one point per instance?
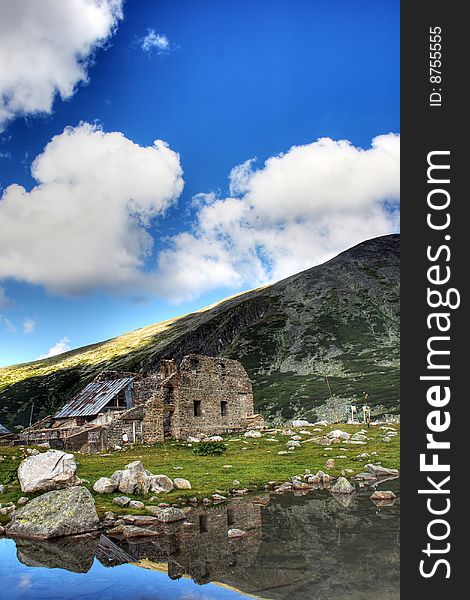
(340, 320)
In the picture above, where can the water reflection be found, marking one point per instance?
(304, 547)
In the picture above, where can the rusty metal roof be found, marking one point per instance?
(93, 398)
(4, 430)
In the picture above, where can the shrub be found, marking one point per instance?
(210, 449)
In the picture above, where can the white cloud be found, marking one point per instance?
(7, 325)
(155, 41)
(29, 325)
(298, 210)
(63, 345)
(5, 301)
(84, 226)
(45, 49)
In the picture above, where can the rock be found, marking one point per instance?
(293, 444)
(193, 440)
(131, 531)
(296, 438)
(166, 515)
(227, 467)
(50, 470)
(283, 452)
(235, 482)
(380, 471)
(300, 423)
(300, 485)
(313, 480)
(236, 533)
(134, 479)
(140, 519)
(32, 451)
(44, 445)
(22, 501)
(105, 485)
(338, 434)
(252, 434)
(161, 483)
(116, 476)
(136, 504)
(2, 530)
(385, 495)
(288, 432)
(218, 498)
(181, 484)
(215, 438)
(330, 463)
(121, 500)
(55, 514)
(2, 489)
(366, 477)
(342, 486)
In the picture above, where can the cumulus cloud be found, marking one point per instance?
(298, 210)
(85, 224)
(157, 42)
(46, 48)
(29, 325)
(62, 345)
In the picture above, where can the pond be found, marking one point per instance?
(299, 547)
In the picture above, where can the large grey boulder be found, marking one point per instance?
(160, 483)
(56, 514)
(380, 471)
(181, 484)
(134, 479)
(342, 486)
(51, 470)
(105, 485)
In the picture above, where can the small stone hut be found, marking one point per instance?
(202, 395)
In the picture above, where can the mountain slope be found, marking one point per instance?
(339, 319)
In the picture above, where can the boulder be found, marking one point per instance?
(51, 470)
(134, 479)
(55, 514)
(181, 484)
(300, 423)
(131, 531)
(160, 483)
(105, 485)
(121, 500)
(338, 434)
(2, 489)
(330, 463)
(136, 504)
(252, 434)
(380, 471)
(342, 486)
(167, 515)
(383, 495)
(293, 444)
(117, 475)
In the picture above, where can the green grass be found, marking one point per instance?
(254, 462)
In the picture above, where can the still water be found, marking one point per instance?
(309, 547)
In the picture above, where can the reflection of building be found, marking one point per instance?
(200, 395)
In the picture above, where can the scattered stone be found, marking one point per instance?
(283, 452)
(2, 489)
(296, 438)
(218, 498)
(342, 486)
(136, 504)
(166, 515)
(55, 514)
(383, 495)
(293, 444)
(105, 485)
(235, 533)
(50, 470)
(300, 423)
(181, 484)
(330, 463)
(252, 434)
(22, 501)
(227, 467)
(2, 530)
(161, 483)
(380, 471)
(121, 500)
(178, 468)
(235, 482)
(217, 438)
(366, 477)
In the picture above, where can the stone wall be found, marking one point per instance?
(210, 382)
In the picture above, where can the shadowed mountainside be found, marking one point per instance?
(339, 319)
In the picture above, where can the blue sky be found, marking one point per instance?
(224, 82)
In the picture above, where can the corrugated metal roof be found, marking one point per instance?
(4, 430)
(93, 398)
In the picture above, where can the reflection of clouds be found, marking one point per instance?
(25, 582)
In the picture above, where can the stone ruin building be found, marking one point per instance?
(202, 395)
